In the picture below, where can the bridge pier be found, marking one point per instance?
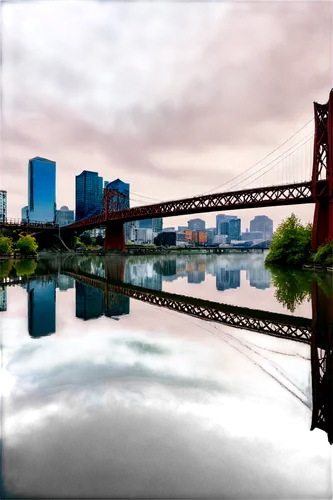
(114, 236)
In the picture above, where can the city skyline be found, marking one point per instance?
(169, 137)
(88, 200)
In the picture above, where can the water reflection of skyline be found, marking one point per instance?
(92, 303)
(227, 272)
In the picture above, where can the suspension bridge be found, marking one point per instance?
(300, 174)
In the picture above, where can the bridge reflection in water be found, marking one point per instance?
(109, 295)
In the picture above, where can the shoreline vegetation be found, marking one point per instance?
(291, 247)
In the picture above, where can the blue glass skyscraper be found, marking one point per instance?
(88, 194)
(41, 189)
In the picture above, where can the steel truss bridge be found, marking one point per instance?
(317, 190)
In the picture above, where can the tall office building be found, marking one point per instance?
(234, 229)
(88, 194)
(64, 216)
(41, 189)
(145, 224)
(24, 213)
(196, 224)
(264, 224)
(221, 219)
(3, 205)
(157, 225)
(123, 188)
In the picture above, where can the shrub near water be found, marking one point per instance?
(27, 245)
(324, 254)
(291, 243)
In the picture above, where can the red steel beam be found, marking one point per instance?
(292, 194)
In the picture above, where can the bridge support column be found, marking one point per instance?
(322, 174)
(322, 223)
(114, 236)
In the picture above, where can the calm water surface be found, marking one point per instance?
(106, 395)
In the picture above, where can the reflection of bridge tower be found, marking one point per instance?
(322, 362)
(41, 308)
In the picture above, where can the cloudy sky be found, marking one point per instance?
(176, 98)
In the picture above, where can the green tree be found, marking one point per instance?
(25, 267)
(78, 243)
(86, 238)
(27, 245)
(324, 254)
(291, 243)
(6, 245)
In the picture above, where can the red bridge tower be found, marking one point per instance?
(322, 173)
(114, 230)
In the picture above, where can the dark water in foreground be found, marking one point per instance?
(115, 387)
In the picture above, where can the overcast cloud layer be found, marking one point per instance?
(175, 98)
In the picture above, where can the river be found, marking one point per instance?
(165, 377)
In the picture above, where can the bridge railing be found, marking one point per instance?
(26, 223)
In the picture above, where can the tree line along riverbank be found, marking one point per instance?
(291, 246)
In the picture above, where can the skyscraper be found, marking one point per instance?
(88, 194)
(123, 188)
(41, 189)
(264, 224)
(3, 205)
(196, 224)
(145, 224)
(24, 213)
(157, 225)
(234, 229)
(220, 219)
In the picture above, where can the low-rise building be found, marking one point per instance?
(181, 239)
(141, 235)
(64, 216)
(220, 239)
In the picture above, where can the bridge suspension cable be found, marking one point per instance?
(277, 161)
(282, 157)
(258, 162)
